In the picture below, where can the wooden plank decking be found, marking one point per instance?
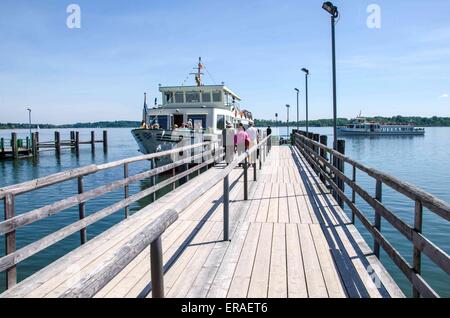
(290, 239)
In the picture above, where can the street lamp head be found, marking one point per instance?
(297, 90)
(330, 8)
(287, 105)
(29, 109)
(306, 71)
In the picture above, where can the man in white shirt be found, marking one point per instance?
(252, 133)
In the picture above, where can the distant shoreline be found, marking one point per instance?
(418, 121)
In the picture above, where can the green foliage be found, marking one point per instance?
(418, 121)
(101, 124)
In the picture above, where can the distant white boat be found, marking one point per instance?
(362, 127)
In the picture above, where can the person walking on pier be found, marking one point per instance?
(228, 142)
(241, 140)
(253, 136)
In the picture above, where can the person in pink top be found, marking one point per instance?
(241, 140)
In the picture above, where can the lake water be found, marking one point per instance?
(420, 160)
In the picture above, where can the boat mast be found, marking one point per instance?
(198, 74)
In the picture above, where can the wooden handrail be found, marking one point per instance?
(83, 171)
(429, 201)
(116, 263)
(421, 244)
(30, 217)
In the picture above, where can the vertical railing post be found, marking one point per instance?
(10, 240)
(154, 179)
(105, 141)
(156, 268)
(2, 144)
(323, 139)
(353, 192)
(126, 189)
(378, 197)
(174, 184)
(226, 207)
(81, 211)
(92, 141)
(254, 165)
(340, 166)
(259, 156)
(417, 256)
(245, 179)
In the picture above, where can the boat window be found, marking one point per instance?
(179, 97)
(351, 126)
(220, 122)
(162, 121)
(217, 96)
(198, 121)
(192, 97)
(168, 97)
(206, 97)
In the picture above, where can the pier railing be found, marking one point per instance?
(328, 164)
(151, 234)
(203, 154)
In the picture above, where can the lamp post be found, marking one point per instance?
(287, 108)
(306, 71)
(298, 120)
(29, 120)
(276, 121)
(333, 11)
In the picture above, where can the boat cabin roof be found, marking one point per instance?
(202, 88)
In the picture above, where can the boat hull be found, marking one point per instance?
(157, 140)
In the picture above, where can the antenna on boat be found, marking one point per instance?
(144, 114)
(198, 75)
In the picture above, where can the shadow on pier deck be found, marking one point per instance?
(289, 239)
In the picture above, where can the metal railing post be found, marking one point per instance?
(226, 208)
(417, 255)
(377, 225)
(156, 268)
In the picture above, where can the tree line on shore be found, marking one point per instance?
(418, 121)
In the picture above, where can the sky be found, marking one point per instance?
(257, 47)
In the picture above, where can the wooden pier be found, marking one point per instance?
(272, 229)
(31, 146)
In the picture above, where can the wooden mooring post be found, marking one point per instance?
(14, 145)
(105, 141)
(57, 142)
(93, 141)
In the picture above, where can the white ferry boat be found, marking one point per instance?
(187, 112)
(362, 127)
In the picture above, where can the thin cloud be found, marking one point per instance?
(444, 96)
